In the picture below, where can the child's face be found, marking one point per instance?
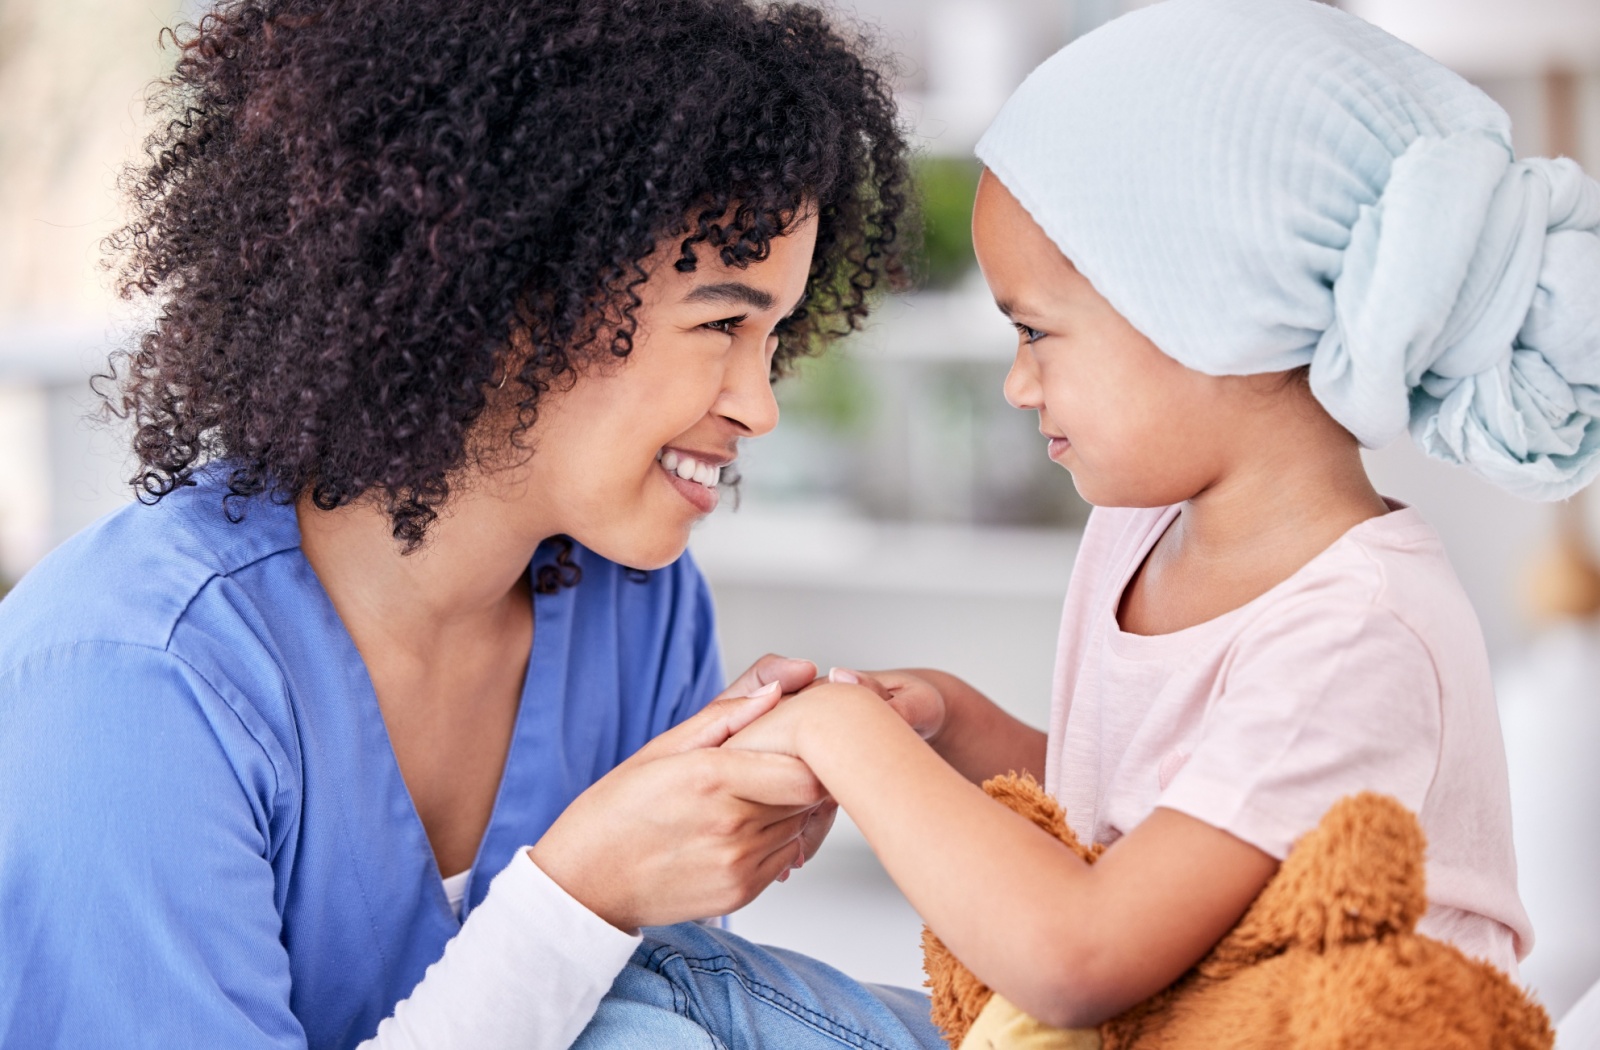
(1133, 426)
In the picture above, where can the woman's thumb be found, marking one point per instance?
(713, 724)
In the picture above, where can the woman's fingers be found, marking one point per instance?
(752, 695)
(684, 828)
(775, 867)
(712, 725)
(791, 675)
(678, 837)
(782, 831)
(764, 778)
(796, 840)
(817, 828)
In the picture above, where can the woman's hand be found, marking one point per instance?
(792, 675)
(812, 835)
(686, 829)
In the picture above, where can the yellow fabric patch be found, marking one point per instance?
(1001, 1026)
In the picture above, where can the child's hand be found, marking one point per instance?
(914, 699)
(778, 730)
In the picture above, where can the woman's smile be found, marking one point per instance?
(694, 475)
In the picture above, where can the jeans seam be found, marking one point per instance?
(819, 1022)
(682, 1005)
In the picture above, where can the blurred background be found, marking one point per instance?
(902, 514)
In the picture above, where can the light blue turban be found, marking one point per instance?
(1261, 184)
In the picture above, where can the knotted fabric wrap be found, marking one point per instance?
(1261, 184)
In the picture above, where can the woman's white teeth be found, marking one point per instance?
(689, 469)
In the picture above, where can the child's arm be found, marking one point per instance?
(968, 729)
(1069, 943)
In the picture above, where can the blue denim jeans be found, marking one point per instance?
(690, 986)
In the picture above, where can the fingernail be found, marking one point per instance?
(843, 677)
(785, 876)
(766, 690)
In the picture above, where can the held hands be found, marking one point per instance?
(917, 701)
(685, 828)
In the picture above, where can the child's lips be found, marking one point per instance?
(1058, 447)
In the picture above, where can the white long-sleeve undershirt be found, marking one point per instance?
(527, 971)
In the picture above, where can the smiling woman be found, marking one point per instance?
(373, 218)
(388, 715)
(696, 382)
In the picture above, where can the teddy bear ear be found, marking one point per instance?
(1357, 876)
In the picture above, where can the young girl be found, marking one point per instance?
(1239, 240)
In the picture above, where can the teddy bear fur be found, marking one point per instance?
(1326, 957)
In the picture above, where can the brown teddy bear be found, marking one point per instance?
(1327, 957)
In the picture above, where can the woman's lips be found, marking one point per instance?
(704, 500)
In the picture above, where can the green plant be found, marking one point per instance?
(946, 186)
(829, 390)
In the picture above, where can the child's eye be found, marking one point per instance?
(1029, 335)
(726, 324)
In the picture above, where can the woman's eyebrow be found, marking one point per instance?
(734, 293)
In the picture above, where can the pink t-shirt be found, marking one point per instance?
(1364, 671)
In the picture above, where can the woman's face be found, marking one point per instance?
(1133, 426)
(627, 460)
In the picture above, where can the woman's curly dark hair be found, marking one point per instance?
(357, 207)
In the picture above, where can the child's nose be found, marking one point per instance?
(1022, 382)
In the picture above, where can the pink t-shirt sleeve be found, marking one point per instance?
(1323, 698)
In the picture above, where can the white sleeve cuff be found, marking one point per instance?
(527, 970)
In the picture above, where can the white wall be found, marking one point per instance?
(24, 513)
(983, 603)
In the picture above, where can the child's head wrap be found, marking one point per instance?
(1261, 184)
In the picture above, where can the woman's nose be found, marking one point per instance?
(747, 397)
(1022, 382)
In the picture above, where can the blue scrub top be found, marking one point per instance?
(205, 840)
